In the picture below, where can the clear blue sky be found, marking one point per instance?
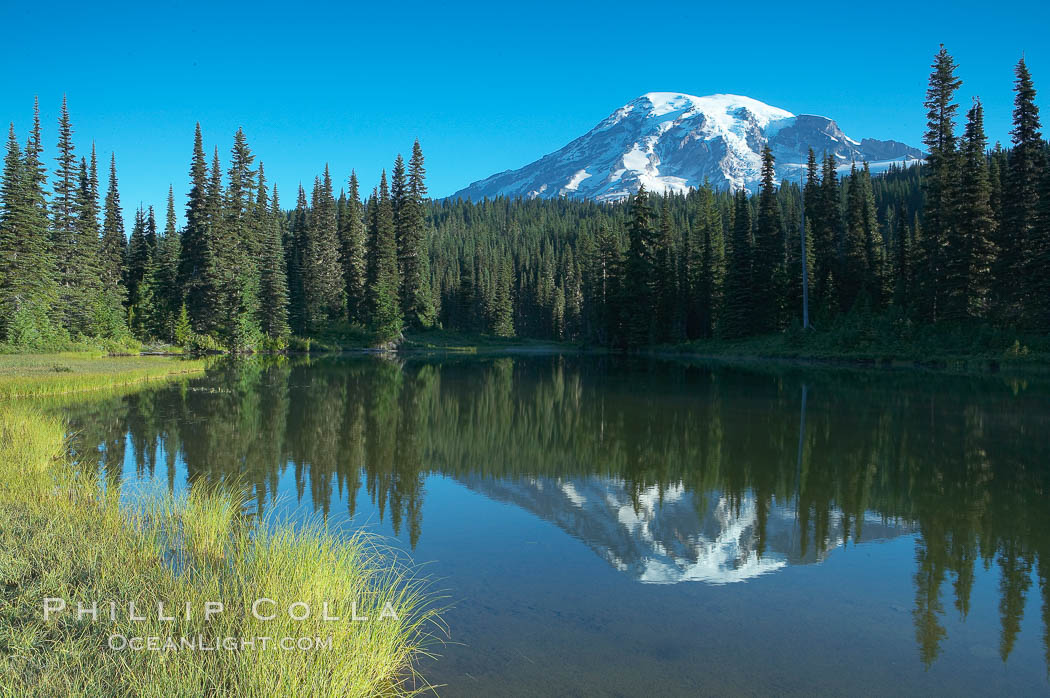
(484, 86)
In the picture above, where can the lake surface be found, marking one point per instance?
(627, 527)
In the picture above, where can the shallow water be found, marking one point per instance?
(633, 527)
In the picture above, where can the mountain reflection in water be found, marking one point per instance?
(670, 472)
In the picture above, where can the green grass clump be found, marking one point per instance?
(38, 375)
(65, 535)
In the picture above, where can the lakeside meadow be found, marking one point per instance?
(65, 534)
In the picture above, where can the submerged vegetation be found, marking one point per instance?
(67, 534)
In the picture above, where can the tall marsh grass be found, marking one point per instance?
(41, 375)
(63, 535)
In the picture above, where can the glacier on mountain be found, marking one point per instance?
(671, 142)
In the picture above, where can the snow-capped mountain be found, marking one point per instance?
(676, 535)
(672, 142)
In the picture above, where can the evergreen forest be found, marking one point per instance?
(960, 243)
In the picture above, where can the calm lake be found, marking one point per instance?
(608, 526)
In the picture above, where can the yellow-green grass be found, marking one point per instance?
(64, 536)
(33, 375)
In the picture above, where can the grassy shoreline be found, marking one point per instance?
(38, 375)
(861, 347)
(63, 535)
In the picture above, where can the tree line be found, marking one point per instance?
(963, 238)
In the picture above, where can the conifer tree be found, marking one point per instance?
(217, 316)
(31, 291)
(901, 262)
(195, 250)
(64, 222)
(352, 254)
(88, 279)
(410, 226)
(233, 273)
(969, 253)
(113, 247)
(11, 210)
(855, 280)
(398, 194)
(1039, 267)
(294, 250)
(607, 268)
(273, 282)
(874, 245)
(382, 292)
(638, 273)
(573, 293)
(737, 297)
(826, 221)
(665, 292)
(164, 302)
(27, 284)
(502, 316)
(769, 252)
(323, 287)
(942, 181)
(794, 238)
(712, 256)
(1024, 276)
(139, 257)
(690, 274)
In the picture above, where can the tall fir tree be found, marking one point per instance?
(941, 182)
(398, 195)
(236, 248)
(712, 259)
(826, 220)
(352, 253)
(273, 280)
(970, 251)
(502, 313)
(34, 308)
(794, 238)
(1024, 276)
(27, 281)
(607, 279)
(136, 266)
(769, 252)
(874, 244)
(64, 229)
(195, 251)
(323, 288)
(410, 227)
(637, 286)
(162, 286)
(216, 308)
(87, 315)
(665, 291)
(856, 272)
(294, 252)
(737, 303)
(384, 307)
(113, 247)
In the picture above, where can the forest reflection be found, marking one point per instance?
(963, 463)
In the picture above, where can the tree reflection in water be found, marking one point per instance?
(962, 462)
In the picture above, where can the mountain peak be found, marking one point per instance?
(727, 104)
(672, 141)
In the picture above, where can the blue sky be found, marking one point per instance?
(484, 86)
